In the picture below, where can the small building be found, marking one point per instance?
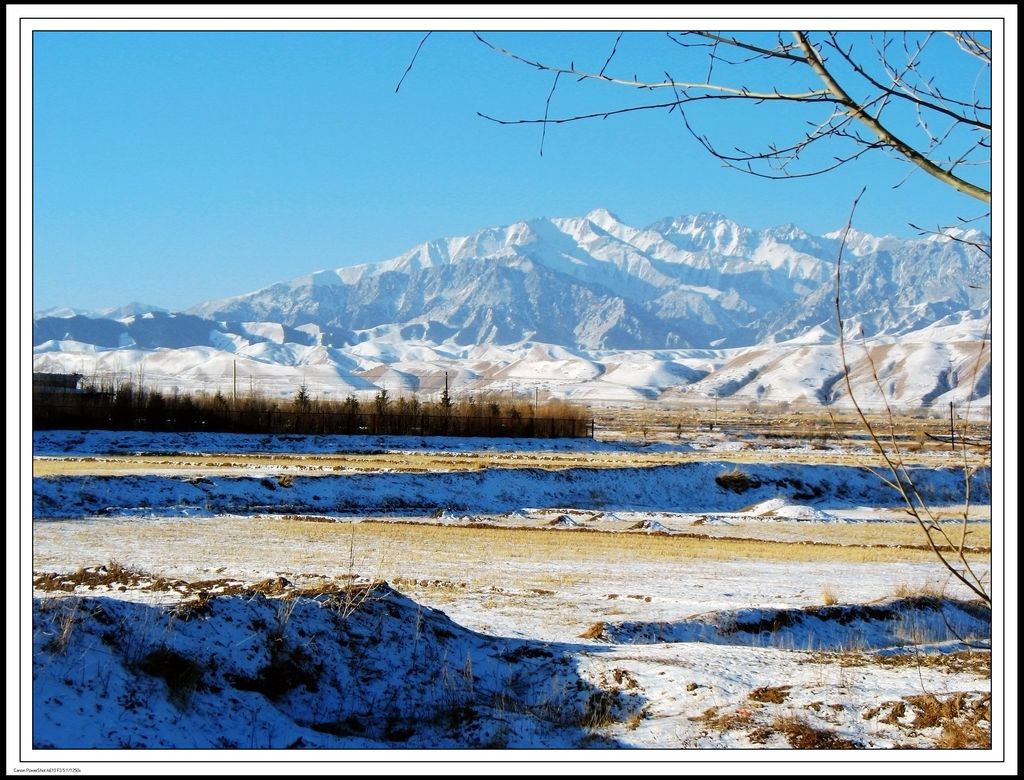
(56, 383)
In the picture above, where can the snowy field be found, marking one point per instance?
(712, 603)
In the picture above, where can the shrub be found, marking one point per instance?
(737, 480)
(181, 674)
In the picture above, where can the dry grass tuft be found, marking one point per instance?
(976, 662)
(111, 575)
(964, 736)
(828, 596)
(897, 711)
(728, 720)
(965, 718)
(597, 630)
(927, 590)
(64, 623)
(599, 710)
(770, 694)
(198, 594)
(272, 586)
(930, 710)
(761, 735)
(803, 736)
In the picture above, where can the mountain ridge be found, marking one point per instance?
(592, 286)
(680, 282)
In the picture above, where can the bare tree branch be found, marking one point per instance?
(883, 133)
(901, 480)
(721, 88)
(779, 157)
(971, 45)
(615, 47)
(781, 53)
(547, 105)
(898, 77)
(411, 62)
(920, 102)
(944, 122)
(946, 232)
(616, 111)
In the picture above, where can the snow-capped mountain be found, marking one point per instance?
(591, 287)
(597, 283)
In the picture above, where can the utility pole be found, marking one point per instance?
(234, 383)
(952, 432)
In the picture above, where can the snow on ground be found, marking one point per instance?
(370, 667)
(361, 668)
(95, 442)
(779, 508)
(188, 611)
(553, 589)
(714, 486)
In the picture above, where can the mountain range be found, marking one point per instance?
(586, 307)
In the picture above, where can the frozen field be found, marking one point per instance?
(701, 598)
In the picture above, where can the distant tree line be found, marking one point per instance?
(128, 405)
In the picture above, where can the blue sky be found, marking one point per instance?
(175, 167)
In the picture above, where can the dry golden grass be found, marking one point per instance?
(523, 570)
(512, 544)
(976, 662)
(314, 464)
(906, 533)
(774, 422)
(964, 719)
(390, 550)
